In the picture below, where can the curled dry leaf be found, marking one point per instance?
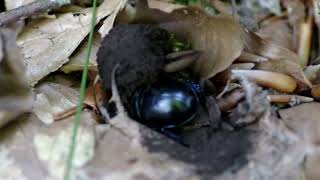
(277, 81)
(286, 67)
(281, 59)
(218, 38)
(262, 47)
(48, 43)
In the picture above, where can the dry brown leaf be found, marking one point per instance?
(277, 81)
(218, 38)
(262, 47)
(48, 43)
(277, 32)
(286, 67)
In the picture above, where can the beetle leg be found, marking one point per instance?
(181, 60)
(166, 131)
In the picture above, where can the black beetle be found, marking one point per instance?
(168, 102)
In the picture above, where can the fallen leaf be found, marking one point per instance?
(262, 47)
(277, 32)
(78, 58)
(164, 6)
(17, 3)
(286, 67)
(108, 22)
(52, 99)
(48, 43)
(53, 149)
(218, 38)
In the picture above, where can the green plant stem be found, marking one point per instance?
(76, 124)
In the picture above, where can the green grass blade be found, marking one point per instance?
(76, 124)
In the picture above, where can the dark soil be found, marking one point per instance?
(140, 52)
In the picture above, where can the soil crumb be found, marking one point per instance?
(139, 50)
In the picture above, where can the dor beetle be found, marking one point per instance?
(167, 103)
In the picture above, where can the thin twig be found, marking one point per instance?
(29, 10)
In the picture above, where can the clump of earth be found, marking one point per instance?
(140, 51)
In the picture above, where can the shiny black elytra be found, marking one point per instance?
(166, 103)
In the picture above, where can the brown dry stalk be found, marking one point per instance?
(286, 98)
(29, 10)
(65, 114)
(304, 47)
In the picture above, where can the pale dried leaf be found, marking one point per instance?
(16, 3)
(108, 23)
(53, 149)
(52, 99)
(40, 151)
(48, 43)
(164, 6)
(78, 58)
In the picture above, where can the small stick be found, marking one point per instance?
(287, 98)
(305, 41)
(29, 10)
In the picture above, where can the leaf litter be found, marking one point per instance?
(280, 75)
